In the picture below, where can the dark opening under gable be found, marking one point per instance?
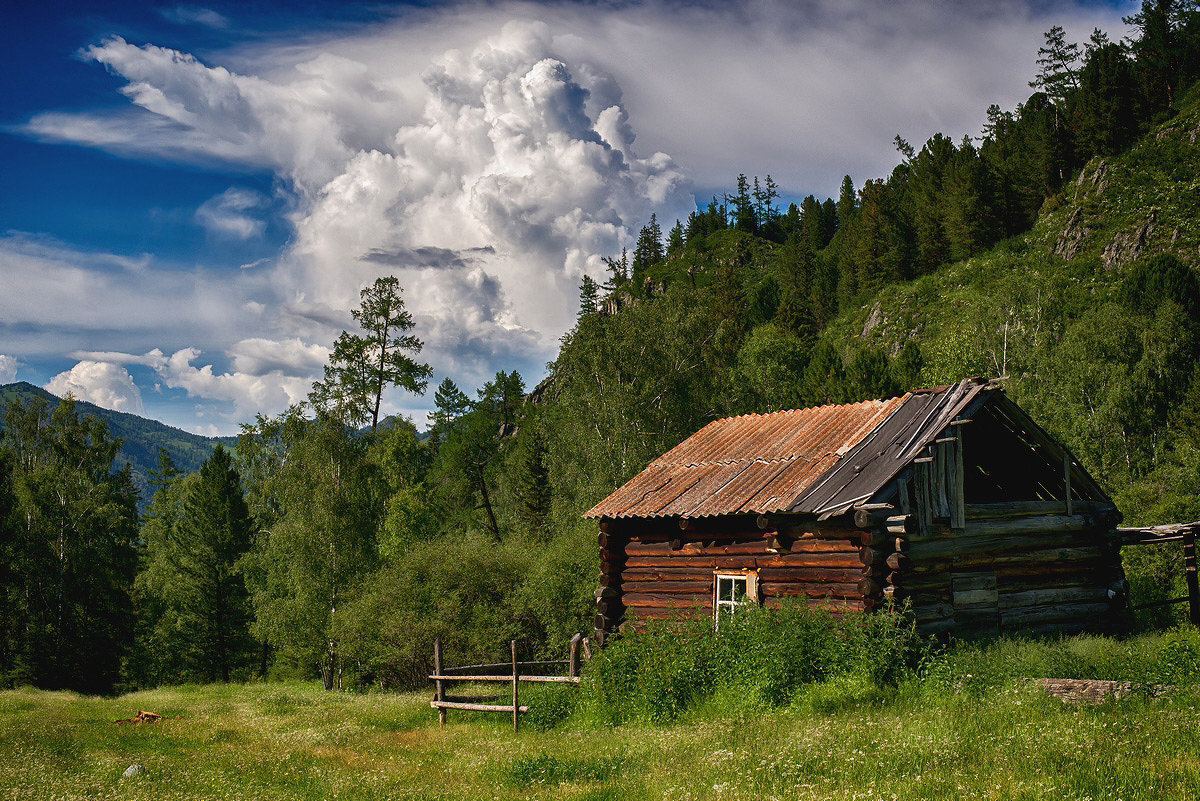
(1009, 457)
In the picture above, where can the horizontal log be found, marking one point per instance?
(898, 562)
(649, 614)
(975, 511)
(509, 678)
(667, 573)
(476, 707)
(1139, 536)
(759, 548)
(659, 562)
(928, 550)
(671, 587)
(810, 574)
(666, 600)
(835, 605)
(1052, 595)
(900, 544)
(866, 517)
(1012, 526)
(878, 570)
(773, 589)
(1028, 616)
(931, 628)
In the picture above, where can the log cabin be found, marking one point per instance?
(951, 499)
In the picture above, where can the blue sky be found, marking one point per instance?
(195, 193)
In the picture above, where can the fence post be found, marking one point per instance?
(440, 692)
(573, 656)
(1193, 581)
(516, 707)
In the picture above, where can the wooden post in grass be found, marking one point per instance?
(573, 656)
(1193, 581)
(440, 692)
(516, 706)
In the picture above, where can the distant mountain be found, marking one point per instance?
(141, 437)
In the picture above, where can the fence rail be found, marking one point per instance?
(1172, 532)
(513, 675)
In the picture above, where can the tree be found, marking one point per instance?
(649, 249)
(589, 296)
(847, 202)
(1106, 102)
(195, 538)
(675, 239)
(361, 367)
(1056, 61)
(321, 549)
(450, 403)
(71, 555)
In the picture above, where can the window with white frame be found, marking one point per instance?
(732, 590)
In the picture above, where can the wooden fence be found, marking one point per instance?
(1172, 532)
(514, 673)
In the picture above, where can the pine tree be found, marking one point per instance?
(193, 572)
(450, 404)
(675, 239)
(363, 366)
(589, 296)
(847, 203)
(649, 250)
(1057, 75)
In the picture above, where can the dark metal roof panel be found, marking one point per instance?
(879, 458)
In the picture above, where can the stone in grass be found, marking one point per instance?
(133, 770)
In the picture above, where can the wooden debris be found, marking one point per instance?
(142, 717)
(1095, 691)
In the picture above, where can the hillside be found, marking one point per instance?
(141, 438)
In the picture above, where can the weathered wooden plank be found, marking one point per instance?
(667, 600)
(791, 589)
(810, 574)
(1053, 595)
(673, 587)
(729, 562)
(975, 511)
(476, 707)
(1032, 615)
(991, 543)
(958, 514)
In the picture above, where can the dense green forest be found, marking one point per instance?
(140, 438)
(1057, 250)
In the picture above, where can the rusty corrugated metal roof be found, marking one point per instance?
(753, 464)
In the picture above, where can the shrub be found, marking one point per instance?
(655, 674)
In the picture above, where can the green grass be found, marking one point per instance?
(941, 737)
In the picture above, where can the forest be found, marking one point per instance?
(1057, 250)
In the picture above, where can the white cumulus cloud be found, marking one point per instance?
(102, 383)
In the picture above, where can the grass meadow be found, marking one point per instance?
(942, 735)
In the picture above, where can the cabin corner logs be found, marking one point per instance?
(990, 526)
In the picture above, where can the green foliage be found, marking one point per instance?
(768, 656)
(193, 599)
(363, 366)
(69, 549)
(321, 546)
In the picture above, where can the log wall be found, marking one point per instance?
(662, 572)
(1014, 567)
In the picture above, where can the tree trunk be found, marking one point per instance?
(487, 503)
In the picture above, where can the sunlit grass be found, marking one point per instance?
(1005, 740)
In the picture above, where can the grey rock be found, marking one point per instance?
(133, 770)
